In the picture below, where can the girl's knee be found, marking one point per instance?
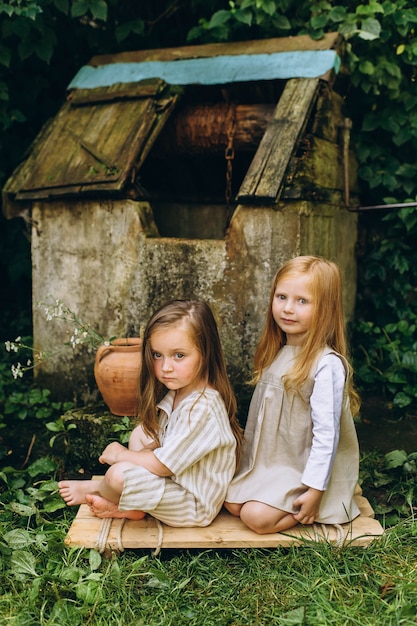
(114, 477)
(264, 519)
(255, 522)
(139, 439)
(253, 515)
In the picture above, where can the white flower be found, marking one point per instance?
(82, 334)
(17, 370)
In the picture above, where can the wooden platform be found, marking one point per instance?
(226, 531)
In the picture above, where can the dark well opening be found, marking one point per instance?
(198, 162)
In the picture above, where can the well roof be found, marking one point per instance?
(117, 105)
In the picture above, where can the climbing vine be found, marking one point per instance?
(44, 42)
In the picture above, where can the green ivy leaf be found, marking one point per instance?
(370, 29)
(219, 18)
(126, 28)
(338, 14)
(98, 9)
(319, 21)
(52, 505)
(79, 8)
(88, 591)
(281, 22)
(395, 458)
(366, 67)
(5, 56)
(23, 510)
(269, 7)
(402, 399)
(244, 17)
(370, 8)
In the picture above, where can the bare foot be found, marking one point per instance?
(74, 491)
(100, 507)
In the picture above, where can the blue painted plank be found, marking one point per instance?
(212, 71)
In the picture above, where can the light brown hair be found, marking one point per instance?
(327, 324)
(203, 331)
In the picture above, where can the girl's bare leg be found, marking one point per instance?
(105, 503)
(75, 491)
(233, 508)
(139, 439)
(265, 519)
(102, 496)
(100, 507)
(110, 487)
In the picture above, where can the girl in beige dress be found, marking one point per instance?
(300, 457)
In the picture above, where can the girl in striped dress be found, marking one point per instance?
(183, 454)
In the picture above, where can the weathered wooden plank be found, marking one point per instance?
(226, 531)
(330, 41)
(321, 165)
(11, 208)
(267, 170)
(329, 114)
(119, 91)
(94, 146)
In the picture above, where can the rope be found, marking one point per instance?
(160, 537)
(340, 535)
(324, 531)
(120, 546)
(103, 534)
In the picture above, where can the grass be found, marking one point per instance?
(45, 583)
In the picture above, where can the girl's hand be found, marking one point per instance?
(112, 453)
(115, 453)
(309, 504)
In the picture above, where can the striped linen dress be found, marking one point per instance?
(198, 446)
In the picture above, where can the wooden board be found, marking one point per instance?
(329, 41)
(225, 532)
(94, 143)
(265, 176)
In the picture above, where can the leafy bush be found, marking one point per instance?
(30, 492)
(25, 412)
(390, 484)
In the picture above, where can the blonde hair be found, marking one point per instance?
(202, 329)
(327, 324)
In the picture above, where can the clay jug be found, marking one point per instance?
(116, 371)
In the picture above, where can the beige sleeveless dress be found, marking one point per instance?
(278, 442)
